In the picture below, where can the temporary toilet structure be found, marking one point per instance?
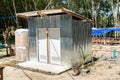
(56, 36)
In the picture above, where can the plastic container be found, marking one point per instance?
(21, 44)
(114, 53)
(2, 45)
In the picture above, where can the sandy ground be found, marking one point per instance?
(102, 70)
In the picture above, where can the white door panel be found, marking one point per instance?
(54, 40)
(53, 45)
(42, 51)
(42, 45)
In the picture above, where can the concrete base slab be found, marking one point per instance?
(50, 68)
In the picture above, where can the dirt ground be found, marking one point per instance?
(101, 70)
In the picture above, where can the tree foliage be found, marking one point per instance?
(96, 10)
(104, 13)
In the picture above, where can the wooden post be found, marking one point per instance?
(47, 35)
(7, 52)
(48, 55)
(1, 73)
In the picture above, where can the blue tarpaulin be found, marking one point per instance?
(6, 17)
(101, 31)
(2, 45)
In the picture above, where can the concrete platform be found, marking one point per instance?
(49, 68)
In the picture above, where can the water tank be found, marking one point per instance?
(21, 44)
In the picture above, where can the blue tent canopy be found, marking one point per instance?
(101, 31)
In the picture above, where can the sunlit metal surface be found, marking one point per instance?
(74, 34)
(32, 39)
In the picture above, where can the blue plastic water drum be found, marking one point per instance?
(114, 53)
(2, 45)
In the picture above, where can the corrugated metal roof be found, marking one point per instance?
(51, 11)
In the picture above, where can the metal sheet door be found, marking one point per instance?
(55, 49)
(42, 47)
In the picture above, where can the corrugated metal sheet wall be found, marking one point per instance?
(66, 40)
(32, 39)
(81, 39)
(73, 35)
